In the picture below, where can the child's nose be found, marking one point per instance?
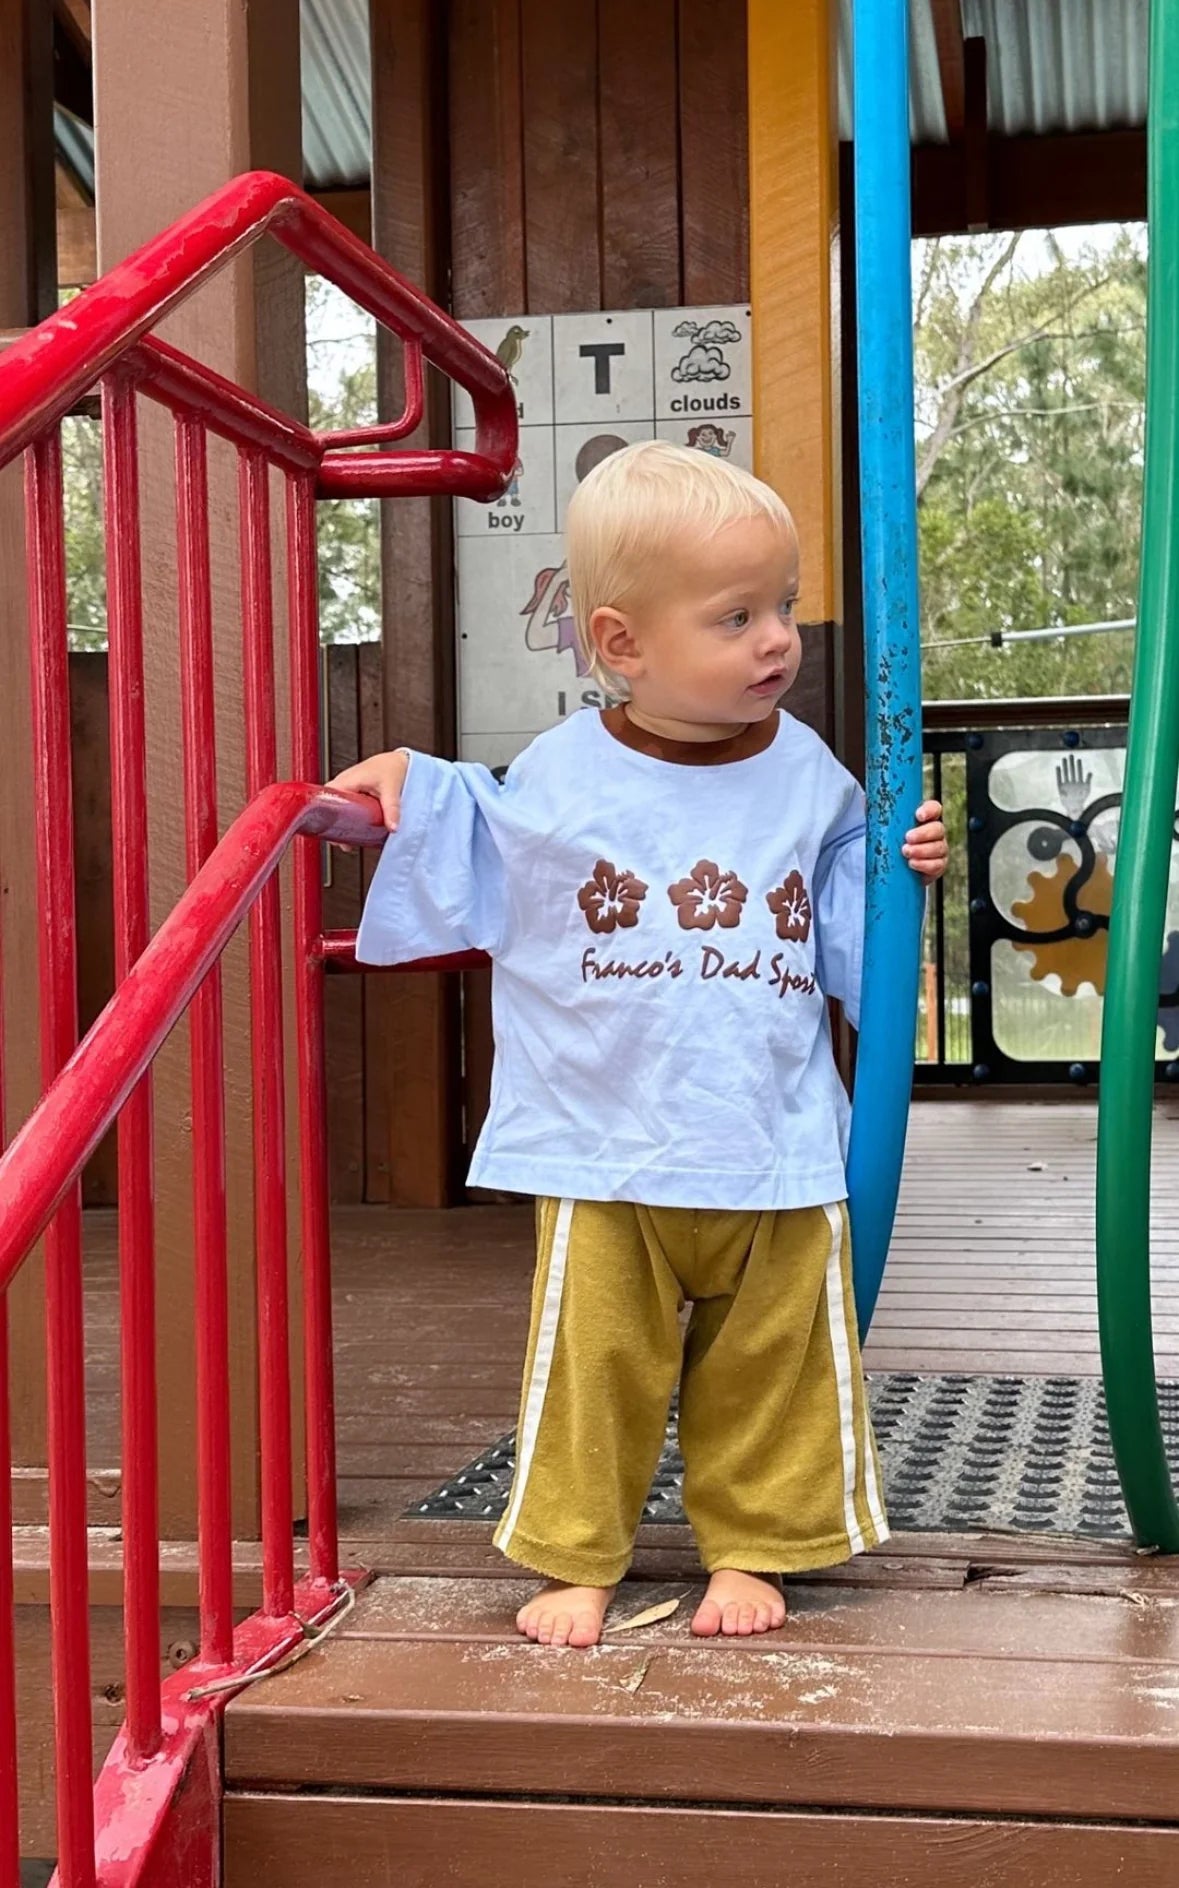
(776, 636)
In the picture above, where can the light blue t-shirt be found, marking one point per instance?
(664, 937)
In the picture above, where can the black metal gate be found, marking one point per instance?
(1017, 938)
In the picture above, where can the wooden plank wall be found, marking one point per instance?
(598, 159)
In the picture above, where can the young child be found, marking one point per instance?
(670, 890)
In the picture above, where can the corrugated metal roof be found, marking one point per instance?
(1062, 65)
(337, 93)
(1052, 65)
(927, 117)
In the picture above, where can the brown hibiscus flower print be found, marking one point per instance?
(611, 899)
(709, 897)
(791, 906)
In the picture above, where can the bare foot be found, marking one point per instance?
(565, 1615)
(739, 1604)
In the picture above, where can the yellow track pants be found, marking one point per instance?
(780, 1467)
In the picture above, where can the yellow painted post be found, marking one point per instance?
(794, 235)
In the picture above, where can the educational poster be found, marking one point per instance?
(586, 385)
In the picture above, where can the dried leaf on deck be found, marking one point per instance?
(650, 1617)
(634, 1681)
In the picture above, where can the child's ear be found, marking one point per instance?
(615, 641)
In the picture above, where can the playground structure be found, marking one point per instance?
(156, 1813)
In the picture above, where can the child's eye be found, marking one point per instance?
(739, 619)
(787, 607)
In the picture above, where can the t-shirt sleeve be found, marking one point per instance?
(839, 901)
(439, 886)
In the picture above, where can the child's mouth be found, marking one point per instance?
(770, 684)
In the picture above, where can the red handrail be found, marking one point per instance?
(39, 1171)
(46, 372)
(48, 1154)
(102, 337)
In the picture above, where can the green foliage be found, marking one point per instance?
(81, 468)
(1030, 369)
(342, 393)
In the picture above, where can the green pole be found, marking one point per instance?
(1144, 860)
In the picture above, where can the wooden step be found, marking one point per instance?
(999, 1697)
(284, 1842)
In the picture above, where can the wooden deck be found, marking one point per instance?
(994, 1711)
(999, 1711)
(923, 1719)
(991, 1270)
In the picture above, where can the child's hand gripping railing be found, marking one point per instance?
(102, 339)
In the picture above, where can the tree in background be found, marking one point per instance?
(85, 552)
(1030, 369)
(342, 393)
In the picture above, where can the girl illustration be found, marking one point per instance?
(549, 622)
(713, 439)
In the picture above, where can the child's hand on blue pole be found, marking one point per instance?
(925, 844)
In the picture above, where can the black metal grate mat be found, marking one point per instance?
(960, 1454)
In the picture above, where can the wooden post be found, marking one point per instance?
(28, 292)
(794, 223)
(412, 1024)
(487, 253)
(185, 98)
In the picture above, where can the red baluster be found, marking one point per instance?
(309, 1028)
(57, 954)
(214, 1479)
(266, 1040)
(137, 1326)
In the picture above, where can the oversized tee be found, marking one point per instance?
(666, 922)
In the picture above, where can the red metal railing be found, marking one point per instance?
(102, 339)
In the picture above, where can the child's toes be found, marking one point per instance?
(730, 1618)
(562, 1627)
(707, 1622)
(587, 1629)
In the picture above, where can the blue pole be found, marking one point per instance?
(888, 533)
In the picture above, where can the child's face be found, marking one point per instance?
(716, 642)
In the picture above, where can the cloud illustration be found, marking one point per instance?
(702, 363)
(718, 334)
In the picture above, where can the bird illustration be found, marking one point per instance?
(511, 348)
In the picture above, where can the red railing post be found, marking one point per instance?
(57, 954)
(137, 1324)
(210, 1212)
(266, 1038)
(318, 1363)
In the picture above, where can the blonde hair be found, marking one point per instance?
(626, 513)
